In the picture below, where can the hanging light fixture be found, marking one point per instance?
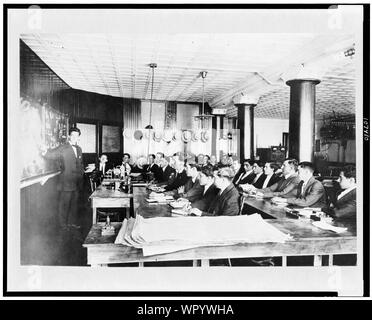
(152, 66)
(203, 118)
(149, 126)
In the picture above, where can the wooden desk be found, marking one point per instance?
(308, 240)
(108, 198)
(265, 206)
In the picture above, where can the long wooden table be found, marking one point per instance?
(307, 240)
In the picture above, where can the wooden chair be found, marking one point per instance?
(93, 184)
(241, 202)
(241, 206)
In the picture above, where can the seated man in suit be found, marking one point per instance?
(235, 165)
(139, 166)
(192, 190)
(213, 161)
(159, 156)
(167, 172)
(269, 178)
(153, 168)
(227, 202)
(102, 167)
(206, 160)
(287, 185)
(210, 191)
(345, 206)
(310, 192)
(180, 178)
(125, 163)
(246, 175)
(259, 174)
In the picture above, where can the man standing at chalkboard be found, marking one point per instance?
(70, 180)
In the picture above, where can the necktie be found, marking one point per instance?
(299, 189)
(240, 177)
(74, 146)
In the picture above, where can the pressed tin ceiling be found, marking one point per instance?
(118, 65)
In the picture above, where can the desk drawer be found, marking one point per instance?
(111, 203)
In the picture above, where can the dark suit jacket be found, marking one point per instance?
(156, 170)
(136, 169)
(259, 183)
(247, 179)
(313, 195)
(97, 174)
(193, 191)
(345, 207)
(108, 166)
(274, 179)
(286, 188)
(72, 168)
(238, 174)
(179, 180)
(226, 204)
(206, 200)
(168, 174)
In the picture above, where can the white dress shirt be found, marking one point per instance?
(206, 187)
(266, 182)
(102, 167)
(74, 148)
(256, 178)
(346, 191)
(244, 175)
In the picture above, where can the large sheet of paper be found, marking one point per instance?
(169, 234)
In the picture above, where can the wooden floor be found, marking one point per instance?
(43, 243)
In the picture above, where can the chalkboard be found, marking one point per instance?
(40, 125)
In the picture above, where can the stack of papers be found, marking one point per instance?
(166, 234)
(156, 189)
(179, 212)
(158, 198)
(326, 226)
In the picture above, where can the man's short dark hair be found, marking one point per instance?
(126, 154)
(209, 158)
(152, 155)
(74, 129)
(349, 172)
(207, 171)
(307, 165)
(259, 163)
(274, 165)
(251, 162)
(193, 165)
(293, 163)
